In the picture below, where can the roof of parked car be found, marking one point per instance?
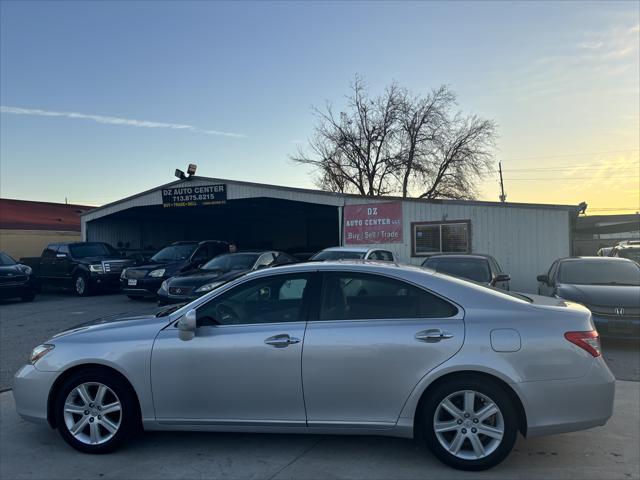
(479, 256)
(347, 249)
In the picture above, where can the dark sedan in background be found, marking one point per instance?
(477, 267)
(189, 286)
(15, 279)
(179, 257)
(608, 286)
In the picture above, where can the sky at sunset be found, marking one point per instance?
(100, 100)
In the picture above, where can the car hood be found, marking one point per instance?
(601, 295)
(202, 277)
(112, 323)
(103, 258)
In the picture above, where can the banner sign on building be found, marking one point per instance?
(190, 196)
(373, 223)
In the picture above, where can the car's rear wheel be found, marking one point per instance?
(95, 411)
(469, 424)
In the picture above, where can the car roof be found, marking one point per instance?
(478, 256)
(594, 259)
(348, 249)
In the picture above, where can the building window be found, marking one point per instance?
(440, 237)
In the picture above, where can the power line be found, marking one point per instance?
(576, 167)
(565, 179)
(574, 154)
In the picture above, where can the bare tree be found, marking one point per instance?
(399, 143)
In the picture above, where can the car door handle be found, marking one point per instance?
(281, 341)
(433, 335)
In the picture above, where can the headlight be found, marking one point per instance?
(39, 352)
(26, 269)
(96, 268)
(157, 273)
(124, 273)
(164, 286)
(209, 286)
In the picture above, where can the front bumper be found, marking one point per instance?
(104, 280)
(560, 406)
(141, 287)
(16, 290)
(617, 327)
(167, 298)
(31, 389)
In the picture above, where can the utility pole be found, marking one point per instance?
(503, 197)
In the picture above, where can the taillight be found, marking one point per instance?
(589, 341)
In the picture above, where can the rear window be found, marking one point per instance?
(476, 269)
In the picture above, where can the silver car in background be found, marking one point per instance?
(388, 350)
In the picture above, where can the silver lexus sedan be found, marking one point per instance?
(331, 348)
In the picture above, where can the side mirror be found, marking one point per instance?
(187, 326)
(503, 277)
(543, 279)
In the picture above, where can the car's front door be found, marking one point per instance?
(244, 364)
(374, 339)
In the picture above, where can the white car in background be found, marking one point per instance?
(354, 253)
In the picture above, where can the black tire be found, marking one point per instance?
(129, 417)
(496, 393)
(86, 290)
(134, 297)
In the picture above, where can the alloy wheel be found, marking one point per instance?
(92, 413)
(468, 425)
(81, 284)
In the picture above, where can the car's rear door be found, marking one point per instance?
(374, 338)
(244, 364)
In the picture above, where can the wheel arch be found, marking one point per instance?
(78, 368)
(517, 402)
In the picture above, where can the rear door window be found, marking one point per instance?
(356, 296)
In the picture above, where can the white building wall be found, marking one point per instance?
(524, 240)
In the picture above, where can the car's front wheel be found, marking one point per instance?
(81, 285)
(95, 411)
(469, 424)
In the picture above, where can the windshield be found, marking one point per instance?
(232, 261)
(338, 255)
(91, 250)
(476, 269)
(6, 259)
(599, 272)
(175, 253)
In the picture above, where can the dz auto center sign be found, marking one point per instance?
(373, 223)
(191, 196)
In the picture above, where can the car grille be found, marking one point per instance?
(115, 266)
(135, 273)
(180, 290)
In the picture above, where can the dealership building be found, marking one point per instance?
(524, 238)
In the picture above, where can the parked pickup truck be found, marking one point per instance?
(83, 266)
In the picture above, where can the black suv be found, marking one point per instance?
(179, 257)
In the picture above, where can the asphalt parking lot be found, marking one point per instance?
(31, 451)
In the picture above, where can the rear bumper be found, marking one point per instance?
(560, 406)
(617, 327)
(31, 389)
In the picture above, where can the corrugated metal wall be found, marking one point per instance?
(525, 241)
